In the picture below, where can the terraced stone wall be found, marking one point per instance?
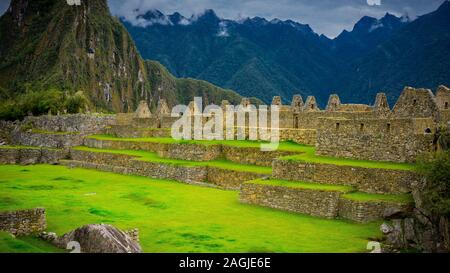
(253, 156)
(23, 222)
(192, 152)
(49, 140)
(128, 131)
(229, 179)
(364, 212)
(311, 202)
(81, 123)
(124, 145)
(364, 179)
(26, 156)
(125, 164)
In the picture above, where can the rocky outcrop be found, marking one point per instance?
(421, 230)
(98, 238)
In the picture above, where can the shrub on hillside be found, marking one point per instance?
(42, 102)
(435, 168)
(75, 103)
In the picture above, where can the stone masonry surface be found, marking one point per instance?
(23, 222)
(364, 179)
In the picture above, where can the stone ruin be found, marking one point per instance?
(143, 111)
(396, 134)
(358, 131)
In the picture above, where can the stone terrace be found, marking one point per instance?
(348, 161)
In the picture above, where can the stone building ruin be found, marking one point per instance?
(360, 131)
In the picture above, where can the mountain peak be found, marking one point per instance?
(445, 5)
(365, 24)
(208, 15)
(152, 14)
(178, 19)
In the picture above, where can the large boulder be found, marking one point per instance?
(99, 238)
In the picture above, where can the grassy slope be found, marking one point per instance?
(306, 153)
(284, 146)
(172, 217)
(349, 191)
(303, 185)
(367, 197)
(29, 244)
(309, 155)
(153, 157)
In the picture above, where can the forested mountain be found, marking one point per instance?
(50, 44)
(262, 58)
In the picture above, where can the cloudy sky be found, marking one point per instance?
(329, 17)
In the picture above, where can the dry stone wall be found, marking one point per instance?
(253, 156)
(300, 136)
(125, 164)
(311, 202)
(56, 141)
(23, 222)
(364, 212)
(192, 152)
(125, 145)
(128, 131)
(229, 179)
(399, 140)
(26, 156)
(364, 179)
(81, 123)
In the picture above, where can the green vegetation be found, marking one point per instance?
(284, 146)
(306, 153)
(28, 147)
(303, 185)
(310, 157)
(154, 157)
(20, 147)
(29, 244)
(46, 53)
(171, 216)
(42, 102)
(435, 167)
(367, 197)
(36, 131)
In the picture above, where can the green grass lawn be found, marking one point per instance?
(310, 157)
(171, 216)
(367, 197)
(284, 146)
(27, 244)
(303, 185)
(305, 153)
(154, 157)
(37, 131)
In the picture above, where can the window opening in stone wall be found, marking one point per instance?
(337, 126)
(388, 127)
